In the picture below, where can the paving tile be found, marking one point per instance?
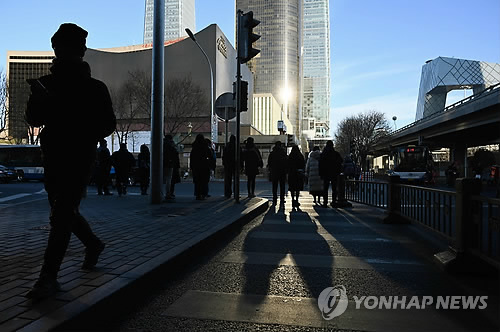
(14, 324)
(11, 312)
(39, 309)
(100, 280)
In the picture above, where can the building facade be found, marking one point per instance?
(316, 69)
(22, 65)
(277, 68)
(442, 75)
(267, 113)
(179, 14)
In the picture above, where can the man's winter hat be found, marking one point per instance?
(69, 36)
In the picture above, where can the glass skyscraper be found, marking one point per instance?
(179, 14)
(277, 67)
(316, 68)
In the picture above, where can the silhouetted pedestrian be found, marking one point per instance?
(123, 161)
(212, 163)
(66, 102)
(170, 155)
(348, 168)
(330, 167)
(143, 162)
(229, 163)
(296, 173)
(176, 177)
(199, 160)
(312, 172)
(277, 166)
(103, 167)
(252, 161)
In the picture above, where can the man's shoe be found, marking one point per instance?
(108, 194)
(92, 255)
(44, 287)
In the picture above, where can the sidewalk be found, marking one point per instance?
(140, 238)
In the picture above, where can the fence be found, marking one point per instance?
(367, 192)
(468, 221)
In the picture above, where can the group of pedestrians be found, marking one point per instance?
(123, 163)
(320, 171)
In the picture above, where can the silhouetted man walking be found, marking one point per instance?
(277, 163)
(103, 167)
(76, 113)
(330, 167)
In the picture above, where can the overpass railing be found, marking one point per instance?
(449, 108)
(470, 223)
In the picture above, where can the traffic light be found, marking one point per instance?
(290, 140)
(243, 96)
(246, 37)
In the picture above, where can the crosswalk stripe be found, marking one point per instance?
(13, 197)
(319, 236)
(321, 261)
(296, 311)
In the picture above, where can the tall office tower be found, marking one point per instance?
(316, 68)
(179, 14)
(277, 67)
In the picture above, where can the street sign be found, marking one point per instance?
(224, 106)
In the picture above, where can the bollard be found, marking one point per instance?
(466, 233)
(341, 200)
(455, 259)
(394, 202)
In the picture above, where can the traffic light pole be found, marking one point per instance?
(245, 39)
(238, 118)
(157, 119)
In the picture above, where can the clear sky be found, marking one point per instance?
(378, 47)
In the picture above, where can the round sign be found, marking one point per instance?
(224, 106)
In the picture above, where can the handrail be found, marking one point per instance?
(440, 191)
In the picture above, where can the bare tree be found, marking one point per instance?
(141, 82)
(129, 113)
(185, 102)
(357, 134)
(4, 106)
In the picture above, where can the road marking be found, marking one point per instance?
(318, 236)
(13, 197)
(297, 311)
(322, 261)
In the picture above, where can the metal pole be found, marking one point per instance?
(225, 128)
(157, 119)
(238, 110)
(213, 118)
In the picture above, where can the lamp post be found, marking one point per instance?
(213, 119)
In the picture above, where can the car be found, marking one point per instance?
(8, 174)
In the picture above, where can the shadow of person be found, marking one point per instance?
(285, 255)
